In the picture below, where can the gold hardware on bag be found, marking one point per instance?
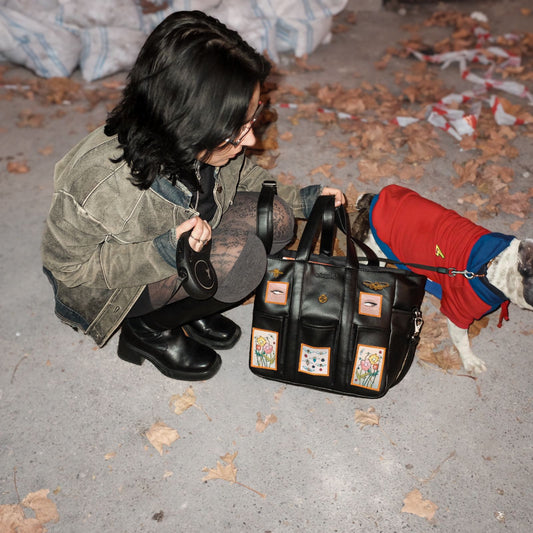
(276, 273)
(322, 298)
(376, 285)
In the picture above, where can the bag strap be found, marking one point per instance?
(265, 217)
(324, 211)
(265, 220)
(341, 217)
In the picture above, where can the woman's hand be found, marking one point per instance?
(340, 199)
(200, 234)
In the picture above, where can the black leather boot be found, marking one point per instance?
(169, 350)
(207, 325)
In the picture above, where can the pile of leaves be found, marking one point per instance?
(368, 116)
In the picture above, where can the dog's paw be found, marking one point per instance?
(473, 364)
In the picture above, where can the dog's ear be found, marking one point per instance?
(364, 201)
(361, 223)
(525, 258)
(525, 268)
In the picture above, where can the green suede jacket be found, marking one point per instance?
(105, 239)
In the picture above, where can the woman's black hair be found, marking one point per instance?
(188, 91)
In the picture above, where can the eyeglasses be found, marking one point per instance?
(247, 127)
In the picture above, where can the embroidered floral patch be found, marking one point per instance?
(277, 292)
(368, 367)
(370, 304)
(264, 350)
(314, 360)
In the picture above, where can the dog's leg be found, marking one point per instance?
(471, 362)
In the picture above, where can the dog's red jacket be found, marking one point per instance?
(413, 229)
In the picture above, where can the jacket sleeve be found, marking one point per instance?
(80, 250)
(301, 199)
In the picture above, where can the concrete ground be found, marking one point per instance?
(73, 418)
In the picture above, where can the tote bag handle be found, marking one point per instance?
(265, 220)
(323, 213)
(341, 218)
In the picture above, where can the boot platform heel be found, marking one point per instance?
(129, 353)
(173, 353)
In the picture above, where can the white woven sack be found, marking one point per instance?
(39, 45)
(254, 20)
(302, 25)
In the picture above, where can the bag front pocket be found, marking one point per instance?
(311, 360)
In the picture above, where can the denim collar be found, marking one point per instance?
(177, 194)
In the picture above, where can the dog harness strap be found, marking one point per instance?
(504, 313)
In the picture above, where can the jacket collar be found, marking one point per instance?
(178, 194)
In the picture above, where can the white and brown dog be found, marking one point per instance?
(492, 268)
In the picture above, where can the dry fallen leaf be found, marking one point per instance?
(110, 455)
(515, 226)
(446, 358)
(287, 136)
(366, 418)
(226, 471)
(261, 424)
(182, 402)
(278, 394)
(374, 171)
(161, 435)
(414, 504)
(28, 119)
(45, 509)
(422, 149)
(323, 169)
(435, 345)
(47, 150)
(515, 204)
(302, 63)
(286, 178)
(57, 90)
(475, 199)
(18, 167)
(467, 173)
(13, 519)
(477, 326)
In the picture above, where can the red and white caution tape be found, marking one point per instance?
(501, 117)
(455, 121)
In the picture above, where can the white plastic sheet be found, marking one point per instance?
(54, 37)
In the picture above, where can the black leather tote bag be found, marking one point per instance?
(330, 322)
